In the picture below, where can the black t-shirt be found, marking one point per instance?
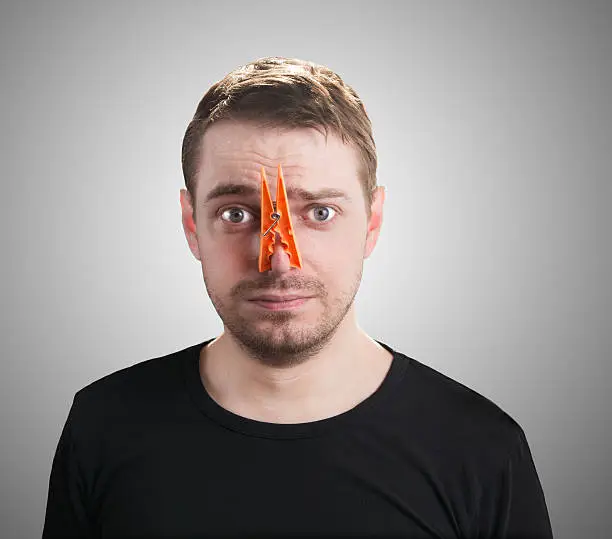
(146, 452)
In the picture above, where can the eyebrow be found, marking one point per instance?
(226, 189)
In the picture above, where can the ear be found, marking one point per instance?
(375, 221)
(189, 226)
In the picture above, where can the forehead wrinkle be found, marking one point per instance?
(294, 192)
(249, 167)
(230, 140)
(264, 145)
(289, 162)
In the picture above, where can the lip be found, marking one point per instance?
(278, 297)
(292, 302)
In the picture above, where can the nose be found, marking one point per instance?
(279, 260)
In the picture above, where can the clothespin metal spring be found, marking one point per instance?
(276, 216)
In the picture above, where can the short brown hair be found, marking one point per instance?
(285, 92)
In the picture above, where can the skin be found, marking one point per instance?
(284, 366)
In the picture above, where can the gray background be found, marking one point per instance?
(493, 125)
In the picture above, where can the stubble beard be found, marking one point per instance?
(286, 340)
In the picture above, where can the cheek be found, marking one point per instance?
(226, 258)
(339, 241)
(237, 243)
(332, 255)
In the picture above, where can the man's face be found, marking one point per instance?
(333, 235)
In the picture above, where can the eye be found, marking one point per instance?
(235, 216)
(322, 213)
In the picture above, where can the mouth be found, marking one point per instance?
(276, 303)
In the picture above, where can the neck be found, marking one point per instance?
(346, 370)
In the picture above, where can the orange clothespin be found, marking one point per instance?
(276, 218)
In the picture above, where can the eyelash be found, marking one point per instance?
(316, 223)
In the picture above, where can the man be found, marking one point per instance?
(292, 422)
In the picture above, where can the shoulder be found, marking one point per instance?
(138, 388)
(449, 413)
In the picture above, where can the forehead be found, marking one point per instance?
(236, 151)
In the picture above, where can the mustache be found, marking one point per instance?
(294, 283)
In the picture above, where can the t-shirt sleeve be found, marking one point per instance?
(66, 514)
(513, 505)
